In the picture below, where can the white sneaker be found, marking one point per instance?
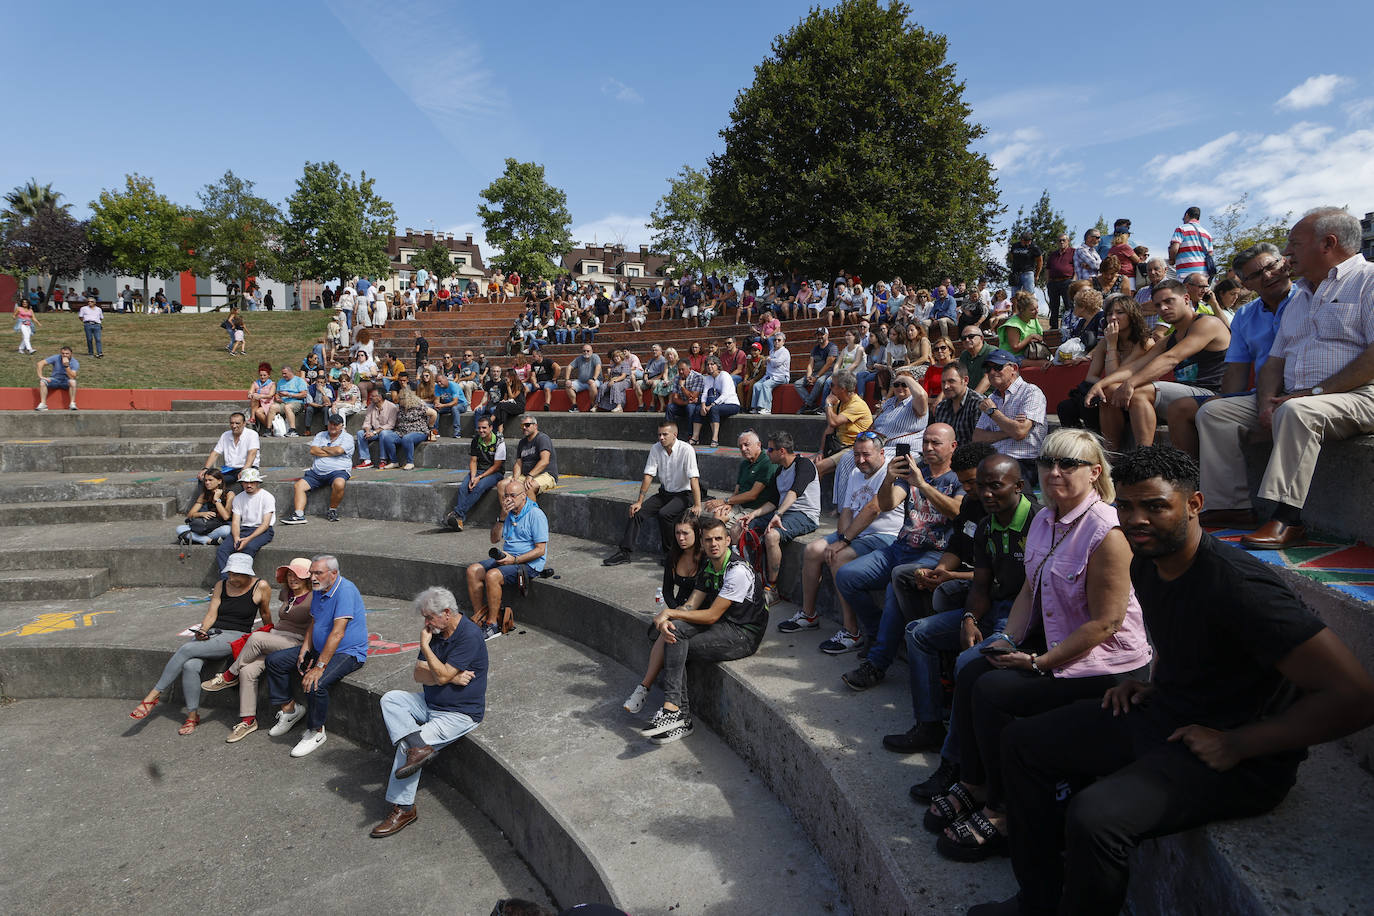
(309, 741)
(636, 701)
(41, 407)
(797, 622)
(287, 720)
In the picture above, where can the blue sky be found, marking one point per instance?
(1119, 111)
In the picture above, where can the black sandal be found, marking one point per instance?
(977, 839)
(945, 814)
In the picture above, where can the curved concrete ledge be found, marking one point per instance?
(473, 767)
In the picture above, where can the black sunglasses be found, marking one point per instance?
(1064, 464)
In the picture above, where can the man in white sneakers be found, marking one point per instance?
(335, 646)
(333, 454)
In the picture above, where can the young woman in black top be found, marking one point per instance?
(680, 570)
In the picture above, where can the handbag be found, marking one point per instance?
(203, 526)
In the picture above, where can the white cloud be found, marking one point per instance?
(453, 95)
(1180, 164)
(1313, 92)
(631, 230)
(1305, 166)
(1015, 149)
(1360, 112)
(619, 91)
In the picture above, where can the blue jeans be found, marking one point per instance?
(282, 663)
(456, 412)
(406, 446)
(925, 640)
(226, 546)
(719, 414)
(857, 577)
(406, 713)
(676, 413)
(763, 392)
(562, 335)
(93, 347)
(380, 439)
(818, 388)
(862, 379)
(1024, 281)
(221, 532)
(188, 660)
(468, 498)
(588, 335)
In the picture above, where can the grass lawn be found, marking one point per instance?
(165, 351)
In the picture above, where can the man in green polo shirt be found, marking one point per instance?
(753, 487)
(999, 551)
(976, 351)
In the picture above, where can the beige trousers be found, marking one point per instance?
(1300, 427)
(253, 659)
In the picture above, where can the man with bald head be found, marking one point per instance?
(999, 551)
(1317, 384)
(753, 485)
(929, 494)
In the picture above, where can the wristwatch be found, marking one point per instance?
(1318, 389)
(846, 539)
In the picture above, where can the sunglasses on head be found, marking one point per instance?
(1064, 464)
(869, 435)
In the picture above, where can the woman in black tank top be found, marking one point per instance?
(234, 604)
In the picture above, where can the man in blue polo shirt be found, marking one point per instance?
(1264, 271)
(449, 399)
(64, 367)
(333, 454)
(334, 647)
(523, 531)
(291, 396)
(452, 666)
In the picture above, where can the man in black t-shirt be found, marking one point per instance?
(1217, 731)
(536, 463)
(1026, 261)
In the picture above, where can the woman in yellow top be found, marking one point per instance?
(1023, 327)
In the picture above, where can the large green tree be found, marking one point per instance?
(527, 220)
(681, 232)
(235, 232)
(1044, 223)
(851, 151)
(145, 234)
(31, 199)
(335, 227)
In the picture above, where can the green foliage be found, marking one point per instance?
(1231, 234)
(851, 150)
(436, 259)
(50, 242)
(1044, 223)
(527, 221)
(144, 233)
(31, 199)
(681, 232)
(335, 228)
(235, 233)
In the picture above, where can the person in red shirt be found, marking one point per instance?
(1059, 265)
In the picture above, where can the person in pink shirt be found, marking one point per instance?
(1074, 631)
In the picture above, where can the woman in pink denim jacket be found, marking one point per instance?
(1074, 631)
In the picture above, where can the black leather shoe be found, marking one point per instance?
(923, 736)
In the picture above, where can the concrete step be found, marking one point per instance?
(88, 511)
(555, 763)
(67, 582)
(107, 464)
(193, 406)
(208, 430)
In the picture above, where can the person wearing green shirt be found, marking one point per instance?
(753, 487)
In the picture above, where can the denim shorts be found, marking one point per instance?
(794, 524)
(509, 572)
(865, 543)
(315, 481)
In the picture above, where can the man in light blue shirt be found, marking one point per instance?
(523, 531)
(333, 453)
(291, 391)
(1264, 271)
(449, 399)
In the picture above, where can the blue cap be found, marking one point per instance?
(1002, 358)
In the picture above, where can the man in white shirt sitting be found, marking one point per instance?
(675, 464)
(237, 449)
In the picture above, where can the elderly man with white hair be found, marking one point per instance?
(1317, 385)
(452, 668)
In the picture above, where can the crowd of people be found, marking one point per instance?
(1117, 672)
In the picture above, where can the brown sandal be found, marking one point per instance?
(192, 720)
(143, 709)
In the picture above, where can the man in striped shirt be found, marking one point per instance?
(1317, 384)
(1190, 245)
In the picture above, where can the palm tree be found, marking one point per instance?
(29, 199)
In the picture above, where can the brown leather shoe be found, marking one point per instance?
(1229, 518)
(395, 822)
(1275, 535)
(416, 757)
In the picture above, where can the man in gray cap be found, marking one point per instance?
(333, 454)
(1013, 419)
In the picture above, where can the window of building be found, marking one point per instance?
(632, 271)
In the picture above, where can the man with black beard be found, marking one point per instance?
(1245, 679)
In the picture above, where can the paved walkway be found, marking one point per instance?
(102, 814)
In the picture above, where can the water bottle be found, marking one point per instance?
(658, 600)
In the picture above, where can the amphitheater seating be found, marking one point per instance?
(786, 803)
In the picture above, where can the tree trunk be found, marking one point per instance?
(145, 291)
